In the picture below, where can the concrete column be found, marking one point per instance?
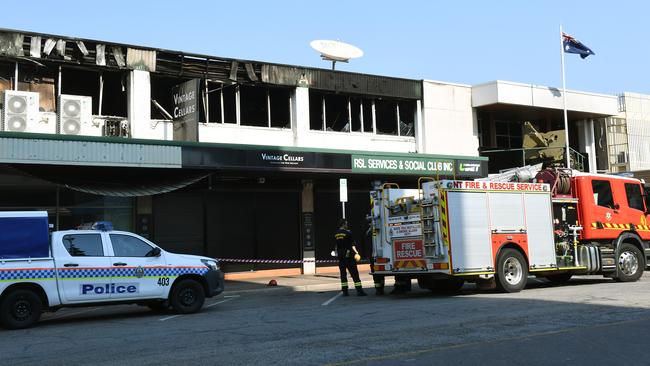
(308, 240)
(300, 114)
(139, 104)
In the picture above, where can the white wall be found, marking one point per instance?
(449, 126)
(139, 104)
(246, 135)
(637, 116)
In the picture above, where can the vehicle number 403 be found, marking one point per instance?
(163, 281)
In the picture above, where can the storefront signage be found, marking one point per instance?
(185, 98)
(276, 159)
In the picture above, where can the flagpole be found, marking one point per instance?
(566, 122)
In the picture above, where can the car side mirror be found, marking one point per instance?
(155, 252)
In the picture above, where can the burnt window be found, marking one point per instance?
(161, 92)
(336, 113)
(229, 104)
(634, 196)
(280, 102)
(356, 114)
(368, 123)
(386, 116)
(114, 98)
(214, 102)
(602, 193)
(254, 106)
(316, 100)
(81, 82)
(407, 118)
(33, 79)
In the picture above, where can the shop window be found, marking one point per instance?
(407, 118)
(254, 106)
(316, 110)
(280, 102)
(508, 134)
(368, 124)
(336, 113)
(386, 116)
(634, 197)
(602, 193)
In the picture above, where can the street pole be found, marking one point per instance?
(566, 122)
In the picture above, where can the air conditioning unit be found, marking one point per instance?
(75, 116)
(20, 113)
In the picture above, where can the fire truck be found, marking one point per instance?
(554, 224)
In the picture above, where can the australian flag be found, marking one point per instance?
(572, 45)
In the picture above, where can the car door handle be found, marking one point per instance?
(71, 265)
(119, 264)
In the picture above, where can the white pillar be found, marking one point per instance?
(300, 114)
(139, 102)
(587, 142)
(419, 128)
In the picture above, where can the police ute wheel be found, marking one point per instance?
(629, 264)
(20, 309)
(512, 271)
(187, 296)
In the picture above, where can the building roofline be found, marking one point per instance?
(496, 82)
(192, 54)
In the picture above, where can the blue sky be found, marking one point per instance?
(456, 41)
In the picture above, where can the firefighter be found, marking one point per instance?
(347, 256)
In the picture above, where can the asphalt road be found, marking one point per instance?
(589, 321)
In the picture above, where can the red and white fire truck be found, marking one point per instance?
(558, 224)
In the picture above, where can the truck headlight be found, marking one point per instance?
(210, 263)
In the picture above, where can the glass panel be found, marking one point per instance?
(602, 193)
(386, 114)
(129, 246)
(84, 245)
(634, 197)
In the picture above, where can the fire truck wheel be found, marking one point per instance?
(512, 271)
(630, 264)
(20, 309)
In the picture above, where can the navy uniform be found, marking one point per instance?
(346, 252)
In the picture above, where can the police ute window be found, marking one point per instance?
(602, 193)
(84, 245)
(634, 197)
(129, 246)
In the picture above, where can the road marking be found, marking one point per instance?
(219, 302)
(332, 299)
(207, 306)
(226, 296)
(169, 317)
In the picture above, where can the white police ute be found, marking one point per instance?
(97, 265)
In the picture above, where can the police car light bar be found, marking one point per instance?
(98, 225)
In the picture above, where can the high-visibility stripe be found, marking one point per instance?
(444, 228)
(615, 226)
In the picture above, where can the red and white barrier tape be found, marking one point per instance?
(275, 261)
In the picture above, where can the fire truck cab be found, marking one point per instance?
(558, 224)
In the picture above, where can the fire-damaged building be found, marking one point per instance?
(243, 159)
(215, 156)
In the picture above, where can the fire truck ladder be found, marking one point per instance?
(429, 220)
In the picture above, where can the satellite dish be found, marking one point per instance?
(336, 51)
